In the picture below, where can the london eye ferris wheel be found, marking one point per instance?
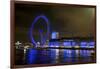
(39, 30)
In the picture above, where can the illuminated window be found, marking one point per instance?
(91, 44)
(67, 43)
(55, 35)
(83, 44)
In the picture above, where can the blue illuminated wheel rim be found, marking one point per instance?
(32, 27)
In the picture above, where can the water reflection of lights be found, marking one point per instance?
(57, 55)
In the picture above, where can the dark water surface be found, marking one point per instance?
(54, 56)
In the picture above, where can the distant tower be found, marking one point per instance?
(55, 35)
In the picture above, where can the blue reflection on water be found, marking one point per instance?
(53, 56)
(43, 56)
(31, 56)
(66, 56)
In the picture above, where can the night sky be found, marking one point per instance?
(67, 20)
